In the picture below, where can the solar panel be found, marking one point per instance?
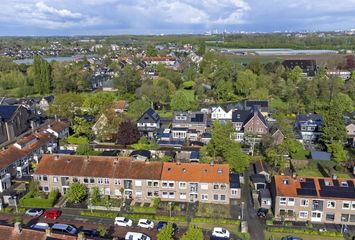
(198, 117)
(336, 183)
(309, 185)
(350, 184)
(337, 193)
(321, 183)
(306, 192)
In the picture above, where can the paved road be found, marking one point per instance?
(255, 227)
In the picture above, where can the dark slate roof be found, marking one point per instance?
(264, 193)
(308, 117)
(260, 166)
(144, 153)
(317, 155)
(171, 143)
(241, 115)
(258, 178)
(259, 103)
(198, 118)
(234, 180)
(179, 129)
(153, 116)
(7, 112)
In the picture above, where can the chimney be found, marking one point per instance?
(18, 227)
(334, 177)
(211, 163)
(294, 176)
(56, 157)
(178, 162)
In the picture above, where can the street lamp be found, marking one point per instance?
(242, 210)
(170, 208)
(16, 203)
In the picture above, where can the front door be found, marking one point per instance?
(316, 216)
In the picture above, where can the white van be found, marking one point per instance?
(63, 228)
(136, 236)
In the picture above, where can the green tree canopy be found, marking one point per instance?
(76, 193)
(97, 102)
(182, 102)
(339, 154)
(166, 233)
(236, 159)
(193, 233)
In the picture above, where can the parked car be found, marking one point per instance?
(220, 232)
(123, 222)
(63, 228)
(262, 212)
(136, 236)
(52, 213)
(322, 230)
(145, 223)
(161, 224)
(40, 226)
(89, 232)
(34, 212)
(291, 238)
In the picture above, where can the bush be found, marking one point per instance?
(102, 231)
(102, 214)
(139, 209)
(303, 231)
(31, 202)
(188, 84)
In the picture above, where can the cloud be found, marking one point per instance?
(172, 16)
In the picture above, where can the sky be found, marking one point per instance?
(105, 17)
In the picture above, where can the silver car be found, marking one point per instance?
(34, 212)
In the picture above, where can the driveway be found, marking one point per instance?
(255, 227)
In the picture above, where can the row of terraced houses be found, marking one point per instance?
(142, 181)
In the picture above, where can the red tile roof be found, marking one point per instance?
(120, 104)
(196, 172)
(12, 154)
(98, 166)
(59, 126)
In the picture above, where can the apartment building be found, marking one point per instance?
(313, 199)
(142, 181)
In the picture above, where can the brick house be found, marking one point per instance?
(314, 199)
(142, 181)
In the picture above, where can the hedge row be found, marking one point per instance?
(303, 231)
(102, 214)
(32, 202)
(136, 217)
(139, 209)
(215, 221)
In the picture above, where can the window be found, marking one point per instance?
(92, 180)
(283, 201)
(106, 181)
(138, 183)
(204, 186)
(164, 184)
(330, 217)
(282, 212)
(344, 218)
(139, 193)
(116, 182)
(55, 179)
(155, 184)
(215, 197)
(223, 187)
(223, 197)
(182, 185)
(171, 195)
(204, 197)
(234, 192)
(215, 186)
(331, 204)
(156, 193)
(150, 194)
(100, 181)
(149, 183)
(352, 218)
(344, 184)
(346, 204)
(117, 192)
(45, 189)
(291, 202)
(165, 195)
(86, 180)
(304, 202)
(290, 213)
(75, 179)
(353, 205)
(182, 195)
(171, 184)
(303, 214)
(45, 178)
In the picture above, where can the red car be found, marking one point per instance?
(52, 213)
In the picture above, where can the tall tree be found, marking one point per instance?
(76, 193)
(236, 159)
(221, 139)
(246, 82)
(181, 102)
(127, 133)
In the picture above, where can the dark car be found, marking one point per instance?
(262, 212)
(291, 238)
(90, 232)
(161, 224)
(218, 238)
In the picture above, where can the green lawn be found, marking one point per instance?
(234, 229)
(278, 236)
(309, 172)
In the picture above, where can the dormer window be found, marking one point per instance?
(344, 184)
(219, 171)
(327, 183)
(285, 181)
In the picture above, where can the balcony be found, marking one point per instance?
(317, 205)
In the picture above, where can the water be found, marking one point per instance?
(282, 51)
(49, 59)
